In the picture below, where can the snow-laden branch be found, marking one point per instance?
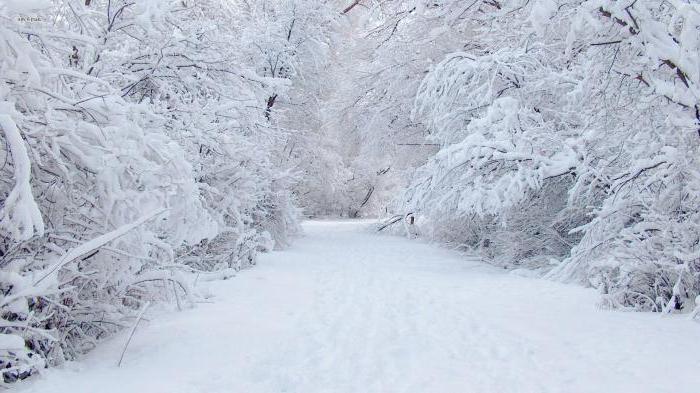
(96, 243)
(20, 216)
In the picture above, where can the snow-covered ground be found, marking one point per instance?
(346, 310)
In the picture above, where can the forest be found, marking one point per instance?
(148, 145)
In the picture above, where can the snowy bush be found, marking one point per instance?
(140, 147)
(569, 137)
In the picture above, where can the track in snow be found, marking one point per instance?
(345, 310)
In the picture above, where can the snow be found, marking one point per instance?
(19, 216)
(346, 310)
(11, 342)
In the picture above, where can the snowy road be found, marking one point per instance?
(345, 310)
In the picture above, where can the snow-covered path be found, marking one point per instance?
(345, 310)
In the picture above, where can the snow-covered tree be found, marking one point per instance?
(568, 134)
(140, 147)
(590, 106)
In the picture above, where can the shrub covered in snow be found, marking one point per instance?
(568, 135)
(140, 146)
